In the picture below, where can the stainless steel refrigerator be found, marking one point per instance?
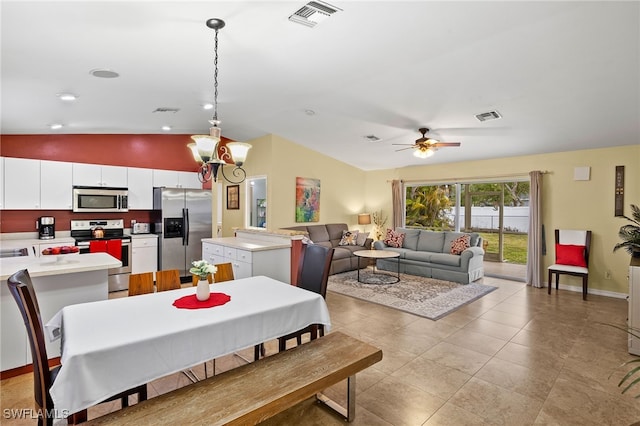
(185, 219)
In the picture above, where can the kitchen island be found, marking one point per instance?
(58, 281)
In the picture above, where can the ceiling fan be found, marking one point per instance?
(424, 146)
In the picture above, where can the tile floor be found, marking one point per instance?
(516, 356)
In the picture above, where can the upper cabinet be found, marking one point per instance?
(56, 191)
(97, 175)
(140, 188)
(22, 184)
(176, 179)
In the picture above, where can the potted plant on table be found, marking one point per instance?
(630, 233)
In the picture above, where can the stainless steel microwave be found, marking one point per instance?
(100, 199)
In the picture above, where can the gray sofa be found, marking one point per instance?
(427, 253)
(329, 235)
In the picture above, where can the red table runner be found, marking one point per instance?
(191, 302)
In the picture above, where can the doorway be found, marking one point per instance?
(256, 214)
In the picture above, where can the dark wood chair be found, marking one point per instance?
(313, 275)
(141, 283)
(572, 249)
(21, 289)
(168, 279)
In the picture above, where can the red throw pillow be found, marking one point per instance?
(568, 254)
(460, 244)
(394, 239)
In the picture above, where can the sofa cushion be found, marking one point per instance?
(349, 238)
(431, 241)
(393, 238)
(460, 244)
(334, 230)
(362, 238)
(445, 259)
(341, 252)
(421, 256)
(410, 237)
(318, 233)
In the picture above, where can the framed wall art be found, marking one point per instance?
(307, 200)
(233, 197)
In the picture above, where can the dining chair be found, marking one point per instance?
(168, 279)
(21, 289)
(572, 249)
(224, 272)
(313, 274)
(195, 279)
(141, 283)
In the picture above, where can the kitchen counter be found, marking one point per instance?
(246, 244)
(58, 280)
(57, 264)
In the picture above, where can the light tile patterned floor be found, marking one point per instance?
(517, 356)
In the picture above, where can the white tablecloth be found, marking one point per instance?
(114, 345)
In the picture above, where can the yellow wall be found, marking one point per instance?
(566, 203)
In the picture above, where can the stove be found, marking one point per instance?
(83, 232)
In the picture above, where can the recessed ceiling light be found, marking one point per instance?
(103, 73)
(67, 96)
(207, 106)
(55, 126)
(166, 128)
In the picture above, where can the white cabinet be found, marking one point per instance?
(140, 183)
(176, 179)
(249, 259)
(634, 304)
(98, 175)
(22, 184)
(56, 184)
(144, 254)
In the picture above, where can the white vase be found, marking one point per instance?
(202, 291)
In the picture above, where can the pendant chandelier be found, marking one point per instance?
(207, 149)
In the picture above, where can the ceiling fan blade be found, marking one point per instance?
(408, 144)
(443, 144)
(404, 149)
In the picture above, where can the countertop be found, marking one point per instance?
(244, 244)
(57, 264)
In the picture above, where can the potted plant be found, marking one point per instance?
(630, 233)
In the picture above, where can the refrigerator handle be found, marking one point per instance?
(185, 229)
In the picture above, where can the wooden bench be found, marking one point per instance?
(254, 392)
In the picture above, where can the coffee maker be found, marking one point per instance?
(46, 227)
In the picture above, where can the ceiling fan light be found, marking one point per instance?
(423, 152)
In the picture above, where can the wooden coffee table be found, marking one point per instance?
(377, 254)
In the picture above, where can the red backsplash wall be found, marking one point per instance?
(168, 152)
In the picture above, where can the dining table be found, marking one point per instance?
(113, 345)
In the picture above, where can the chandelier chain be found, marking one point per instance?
(215, 79)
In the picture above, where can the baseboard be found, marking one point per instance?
(595, 291)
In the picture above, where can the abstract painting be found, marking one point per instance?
(307, 200)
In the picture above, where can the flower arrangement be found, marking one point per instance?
(379, 220)
(202, 268)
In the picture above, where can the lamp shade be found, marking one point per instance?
(364, 219)
(205, 146)
(423, 153)
(239, 151)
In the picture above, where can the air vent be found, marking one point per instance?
(313, 13)
(372, 138)
(165, 109)
(486, 116)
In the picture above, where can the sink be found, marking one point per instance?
(14, 252)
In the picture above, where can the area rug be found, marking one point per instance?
(426, 297)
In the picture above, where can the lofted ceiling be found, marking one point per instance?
(563, 75)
